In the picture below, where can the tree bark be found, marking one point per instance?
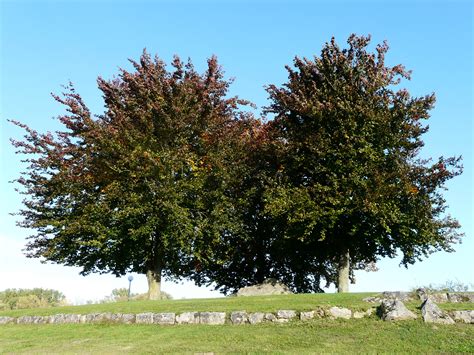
(343, 273)
(154, 283)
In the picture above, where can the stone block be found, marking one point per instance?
(286, 314)
(7, 320)
(188, 318)
(213, 318)
(432, 314)
(239, 317)
(339, 312)
(257, 317)
(164, 318)
(306, 315)
(393, 310)
(270, 317)
(144, 318)
(464, 316)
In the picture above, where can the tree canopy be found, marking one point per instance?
(177, 179)
(118, 192)
(354, 187)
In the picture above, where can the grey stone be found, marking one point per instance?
(338, 312)
(422, 294)
(438, 297)
(268, 287)
(64, 319)
(460, 297)
(126, 318)
(270, 317)
(164, 318)
(239, 317)
(432, 314)
(372, 299)
(286, 314)
(464, 316)
(144, 318)
(306, 315)
(255, 318)
(32, 320)
(398, 295)
(188, 318)
(98, 317)
(7, 320)
(212, 317)
(392, 310)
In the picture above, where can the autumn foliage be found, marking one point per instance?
(177, 179)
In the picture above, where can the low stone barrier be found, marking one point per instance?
(389, 310)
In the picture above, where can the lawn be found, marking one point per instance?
(318, 335)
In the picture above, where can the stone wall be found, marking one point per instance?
(390, 308)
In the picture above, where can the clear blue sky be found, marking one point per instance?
(47, 43)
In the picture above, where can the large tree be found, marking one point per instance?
(119, 192)
(354, 188)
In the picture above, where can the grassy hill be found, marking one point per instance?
(318, 335)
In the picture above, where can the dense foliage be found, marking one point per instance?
(30, 298)
(175, 179)
(349, 142)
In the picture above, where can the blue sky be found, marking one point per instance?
(44, 44)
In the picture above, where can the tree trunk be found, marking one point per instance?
(343, 273)
(154, 283)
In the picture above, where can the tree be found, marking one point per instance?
(118, 192)
(30, 298)
(353, 188)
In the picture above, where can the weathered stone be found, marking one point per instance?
(164, 318)
(65, 319)
(398, 295)
(239, 317)
(212, 317)
(422, 294)
(432, 314)
(438, 297)
(320, 312)
(98, 317)
(306, 315)
(126, 318)
(460, 297)
(337, 312)
(7, 320)
(144, 318)
(268, 287)
(286, 314)
(188, 318)
(395, 310)
(32, 320)
(257, 317)
(464, 316)
(270, 317)
(372, 299)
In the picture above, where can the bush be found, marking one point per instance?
(447, 286)
(30, 298)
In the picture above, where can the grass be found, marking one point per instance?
(299, 302)
(316, 336)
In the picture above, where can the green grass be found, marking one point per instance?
(299, 302)
(317, 336)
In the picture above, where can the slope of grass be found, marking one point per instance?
(317, 336)
(299, 302)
